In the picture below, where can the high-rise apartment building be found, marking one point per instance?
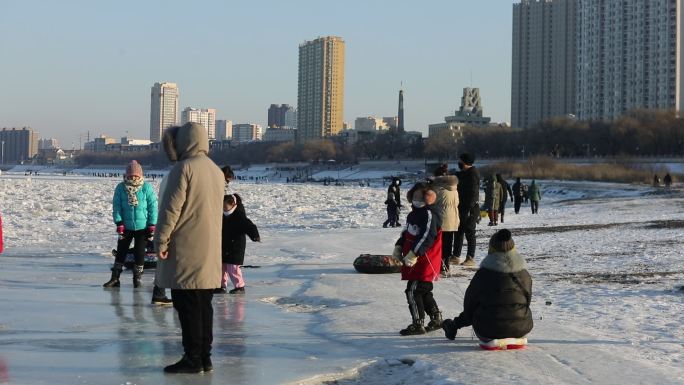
(281, 116)
(320, 98)
(596, 59)
(246, 132)
(18, 145)
(203, 116)
(370, 124)
(629, 55)
(224, 129)
(543, 60)
(48, 144)
(163, 109)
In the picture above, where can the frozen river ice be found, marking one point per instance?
(60, 327)
(606, 260)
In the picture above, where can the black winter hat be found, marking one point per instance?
(467, 158)
(502, 241)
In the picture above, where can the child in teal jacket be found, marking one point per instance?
(134, 210)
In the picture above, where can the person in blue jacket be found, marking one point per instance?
(134, 209)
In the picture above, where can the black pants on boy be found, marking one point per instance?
(420, 300)
(196, 316)
(140, 237)
(392, 216)
(467, 228)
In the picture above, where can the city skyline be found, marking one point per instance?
(78, 53)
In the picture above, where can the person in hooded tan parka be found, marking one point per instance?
(188, 241)
(445, 186)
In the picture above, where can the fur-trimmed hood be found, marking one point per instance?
(504, 262)
(448, 182)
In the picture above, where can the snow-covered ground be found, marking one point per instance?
(606, 260)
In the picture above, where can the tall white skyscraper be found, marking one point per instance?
(203, 116)
(163, 109)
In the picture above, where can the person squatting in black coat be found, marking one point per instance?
(497, 301)
(468, 207)
(236, 227)
(393, 203)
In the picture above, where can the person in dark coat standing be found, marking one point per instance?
(468, 208)
(393, 203)
(507, 193)
(236, 226)
(535, 197)
(497, 301)
(518, 195)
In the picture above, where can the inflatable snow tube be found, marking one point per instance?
(377, 264)
(129, 262)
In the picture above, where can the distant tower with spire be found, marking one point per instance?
(400, 123)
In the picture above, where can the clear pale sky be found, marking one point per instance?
(68, 66)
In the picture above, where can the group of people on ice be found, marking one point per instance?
(194, 220)
(444, 209)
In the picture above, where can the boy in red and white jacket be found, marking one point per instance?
(420, 249)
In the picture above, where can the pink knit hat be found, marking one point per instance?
(134, 169)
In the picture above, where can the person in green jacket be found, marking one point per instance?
(535, 197)
(134, 210)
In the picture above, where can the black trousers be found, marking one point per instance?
(196, 316)
(516, 205)
(448, 238)
(467, 228)
(502, 209)
(392, 216)
(535, 206)
(140, 237)
(420, 299)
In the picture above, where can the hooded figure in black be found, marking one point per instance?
(497, 301)
(236, 228)
(393, 203)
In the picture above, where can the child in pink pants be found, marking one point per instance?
(236, 228)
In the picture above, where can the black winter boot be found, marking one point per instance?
(450, 329)
(416, 328)
(185, 365)
(137, 275)
(206, 363)
(435, 322)
(114, 280)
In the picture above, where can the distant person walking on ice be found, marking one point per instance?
(393, 203)
(535, 197)
(656, 180)
(188, 241)
(505, 194)
(497, 300)
(518, 195)
(493, 193)
(667, 180)
(134, 209)
(468, 208)
(420, 250)
(236, 228)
